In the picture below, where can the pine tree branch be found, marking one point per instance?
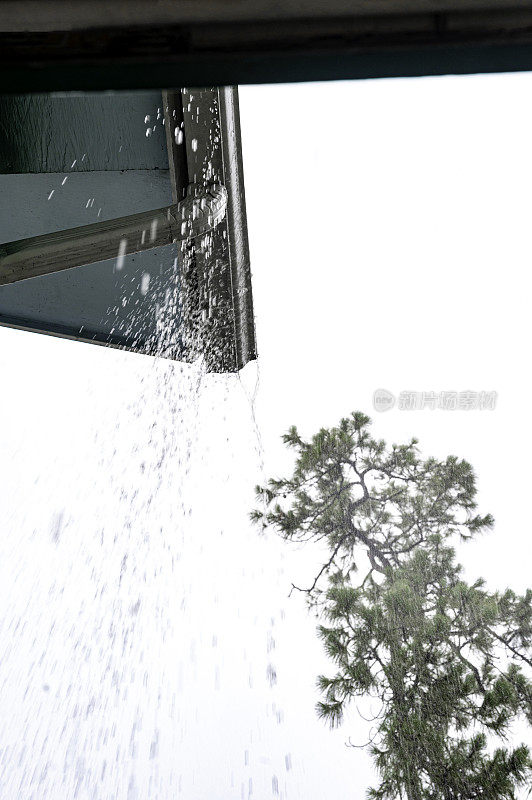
(510, 647)
(456, 650)
(320, 573)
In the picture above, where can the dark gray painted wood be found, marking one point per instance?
(25, 259)
(223, 43)
(27, 209)
(56, 15)
(99, 303)
(178, 300)
(83, 133)
(193, 217)
(96, 302)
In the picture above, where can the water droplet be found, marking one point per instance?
(121, 255)
(144, 283)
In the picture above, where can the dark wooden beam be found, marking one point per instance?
(82, 15)
(200, 211)
(223, 43)
(115, 238)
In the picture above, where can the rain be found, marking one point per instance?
(151, 644)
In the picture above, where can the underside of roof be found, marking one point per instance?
(51, 15)
(120, 44)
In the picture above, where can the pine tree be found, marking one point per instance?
(450, 662)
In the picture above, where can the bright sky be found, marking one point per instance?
(389, 233)
(389, 226)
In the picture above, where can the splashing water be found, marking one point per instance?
(136, 634)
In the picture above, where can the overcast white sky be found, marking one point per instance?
(389, 229)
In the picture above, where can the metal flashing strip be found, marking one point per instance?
(213, 152)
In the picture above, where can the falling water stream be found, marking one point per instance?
(139, 608)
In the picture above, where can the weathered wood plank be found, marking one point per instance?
(41, 255)
(81, 133)
(200, 211)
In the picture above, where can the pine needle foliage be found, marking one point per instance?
(449, 662)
